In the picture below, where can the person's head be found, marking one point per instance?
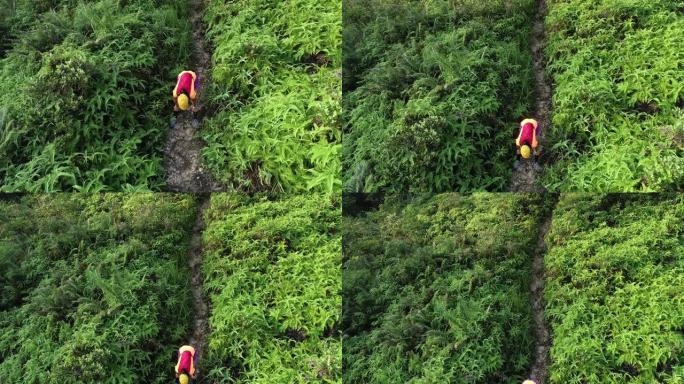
(183, 379)
(183, 102)
(525, 151)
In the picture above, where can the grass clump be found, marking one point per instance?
(276, 92)
(619, 95)
(272, 274)
(615, 289)
(434, 91)
(93, 288)
(437, 289)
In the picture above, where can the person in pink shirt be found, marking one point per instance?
(527, 138)
(185, 367)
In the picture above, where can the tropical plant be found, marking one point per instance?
(436, 289)
(615, 289)
(89, 95)
(93, 288)
(276, 94)
(618, 119)
(272, 274)
(433, 93)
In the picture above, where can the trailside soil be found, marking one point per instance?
(183, 162)
(201, 308)
(539, 371)
(524, 177)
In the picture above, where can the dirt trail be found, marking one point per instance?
(524, 177)
(183, 162)
(539, 372)
(200, 307)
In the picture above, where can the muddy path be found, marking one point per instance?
(539, 371)
(183, 158)
(200, 307)
(525, 175)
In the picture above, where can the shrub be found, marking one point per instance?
(276, 92)
(618, 98)
(92, 287)
(615, 283)
(90, 91)
(434, 92)
(436, 289)
(272, 273)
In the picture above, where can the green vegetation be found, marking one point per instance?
(272, 273)
(619, 95)
(276, 89)
(615, 289)
(434, 92)
(437, 290)
(87, 92)
(93, 289)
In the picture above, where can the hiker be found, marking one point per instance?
(185, 92)
(527, 138)
(185, 367)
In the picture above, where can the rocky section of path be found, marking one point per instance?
(525, 175)
(539, 372)
(183, 160)
(200, 307)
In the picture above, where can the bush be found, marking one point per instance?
(618, 98)
(272, 273)
(615, 283)
(434, 93)
(90, 93)
(276, 92)
(437, 289)
(93, 288)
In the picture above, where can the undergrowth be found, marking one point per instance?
(436, 290)
(276, 91)
(434, 91)
(272, 274)
(93, 288)
(615, 289)
(618, 119)
(88, 89)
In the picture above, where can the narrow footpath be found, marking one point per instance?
(525, 176)
(539, 371)
(200, 307)
(183, 160)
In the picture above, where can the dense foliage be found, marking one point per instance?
(437, 290)
(615, 289)
(93, 289)
(277, 91)
(618, 72)
(87, 86)
(272, 273)
(434, 91)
